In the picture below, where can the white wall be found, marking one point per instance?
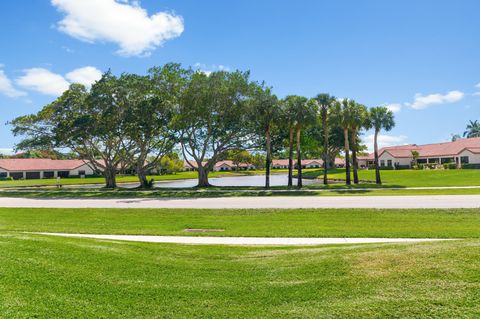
(402, 161)
(472, 158)
(88, 170)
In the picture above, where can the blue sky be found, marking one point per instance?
(419, 57)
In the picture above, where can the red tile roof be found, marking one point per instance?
(39, 164)
(433, 150)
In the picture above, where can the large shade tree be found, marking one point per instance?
(380, 118)
(152, 103)
(90, 123)
(213, 118)
(325, 104)
(265, 113)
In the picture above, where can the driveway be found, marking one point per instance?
(437, 201)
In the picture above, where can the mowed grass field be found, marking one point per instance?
(48, 277)
(101, 180)
(410, 178)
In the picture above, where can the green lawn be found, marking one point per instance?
(101, 180)
(54, 277)
(411, 178)
(463, 223)
(227, 192)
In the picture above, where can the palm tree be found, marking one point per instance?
(325, 103)
(359, 118)
(265, 112)
(304, 115)
(380, 118)
(343, 118)
(288, 117)
(472, 130)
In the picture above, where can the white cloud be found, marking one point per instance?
(7, 88)
(394, 107)
(122, 22)
(424, 101)
(478, 85)
(384, 140)
(43, 81)
(86, 75)
(208, 69)
(49, 83)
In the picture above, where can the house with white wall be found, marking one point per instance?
(36, 168)
(461, 152)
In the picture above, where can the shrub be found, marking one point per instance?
(471, 166)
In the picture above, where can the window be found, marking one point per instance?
(433, 160)
(48, 174)
(81, 173)
(389, 163)
(3, 174)
(447, 160)
(464, 159)
(422, 161)
(382, 163)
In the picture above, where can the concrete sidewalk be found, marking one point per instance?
(278, 241)
(434, 201)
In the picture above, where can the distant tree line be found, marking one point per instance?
(139, 120)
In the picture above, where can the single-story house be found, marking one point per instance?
(461, 152)
(228, 165)
(220, 166)
(35, 168)
(306, 163)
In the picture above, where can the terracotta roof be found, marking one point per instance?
(432, 150)
(284, 162)
(39, 164)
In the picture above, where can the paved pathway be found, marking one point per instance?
(246, 240)
(437, 201)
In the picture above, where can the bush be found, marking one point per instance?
(6, 179)
(471, 166)
(450, 166)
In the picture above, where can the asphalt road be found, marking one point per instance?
(437, 201)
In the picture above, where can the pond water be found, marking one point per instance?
(253, 180)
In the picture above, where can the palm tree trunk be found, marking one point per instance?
(325, 149)
(377, 167)
(354, 156)
(299, 159)
(290, 158)
(347, 157)
(269, 158)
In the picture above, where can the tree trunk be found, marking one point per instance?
(299, 159)
(347, 157)
(268, 160)
(110, 177)
(203, 176)
(354, 156)
(325, 149)
(377, 167)
(142, 177)
(290, 158)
